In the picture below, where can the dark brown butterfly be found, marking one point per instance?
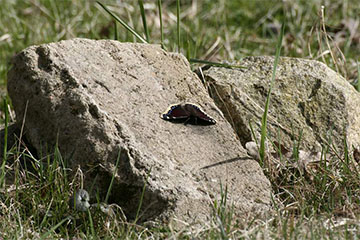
(187, 113)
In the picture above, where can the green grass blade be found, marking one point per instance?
(161, 24)
(92, 228)
(112, 178)
(6, 110)
(215, 64)
(143, 16)
(188, 50)
(178, 23)
(358, 80)
(130, 29)
(253, 133)
(46, 214)
(115, 31)
(45, 235)
(267, 103)
(141, 198)
(346, 162)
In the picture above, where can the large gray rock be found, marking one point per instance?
(98, 99)
(308, 99)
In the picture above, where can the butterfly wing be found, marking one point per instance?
(175, 112)
(197, 112)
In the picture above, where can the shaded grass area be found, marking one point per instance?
(320, 203)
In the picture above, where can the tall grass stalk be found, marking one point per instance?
(60, 161)
(112, 178)
(115, 31)
(143, 17)
(125, 25)
(178, 23)
(161, 24)
(253, 133)
(141, 198)
(91, 222)
(358, 78)
(327, 37)
(6, 110)
(267, 103)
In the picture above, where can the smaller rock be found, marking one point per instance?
(309, 102)
(80, 200)
(252, 150)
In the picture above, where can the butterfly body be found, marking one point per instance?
(189, 113)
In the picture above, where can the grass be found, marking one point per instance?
(319, 202)
(267, 103)
(127, 27)
(4, 156)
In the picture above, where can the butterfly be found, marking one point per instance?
(187, 113)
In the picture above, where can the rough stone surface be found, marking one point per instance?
(102, 98)
(308, 99)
